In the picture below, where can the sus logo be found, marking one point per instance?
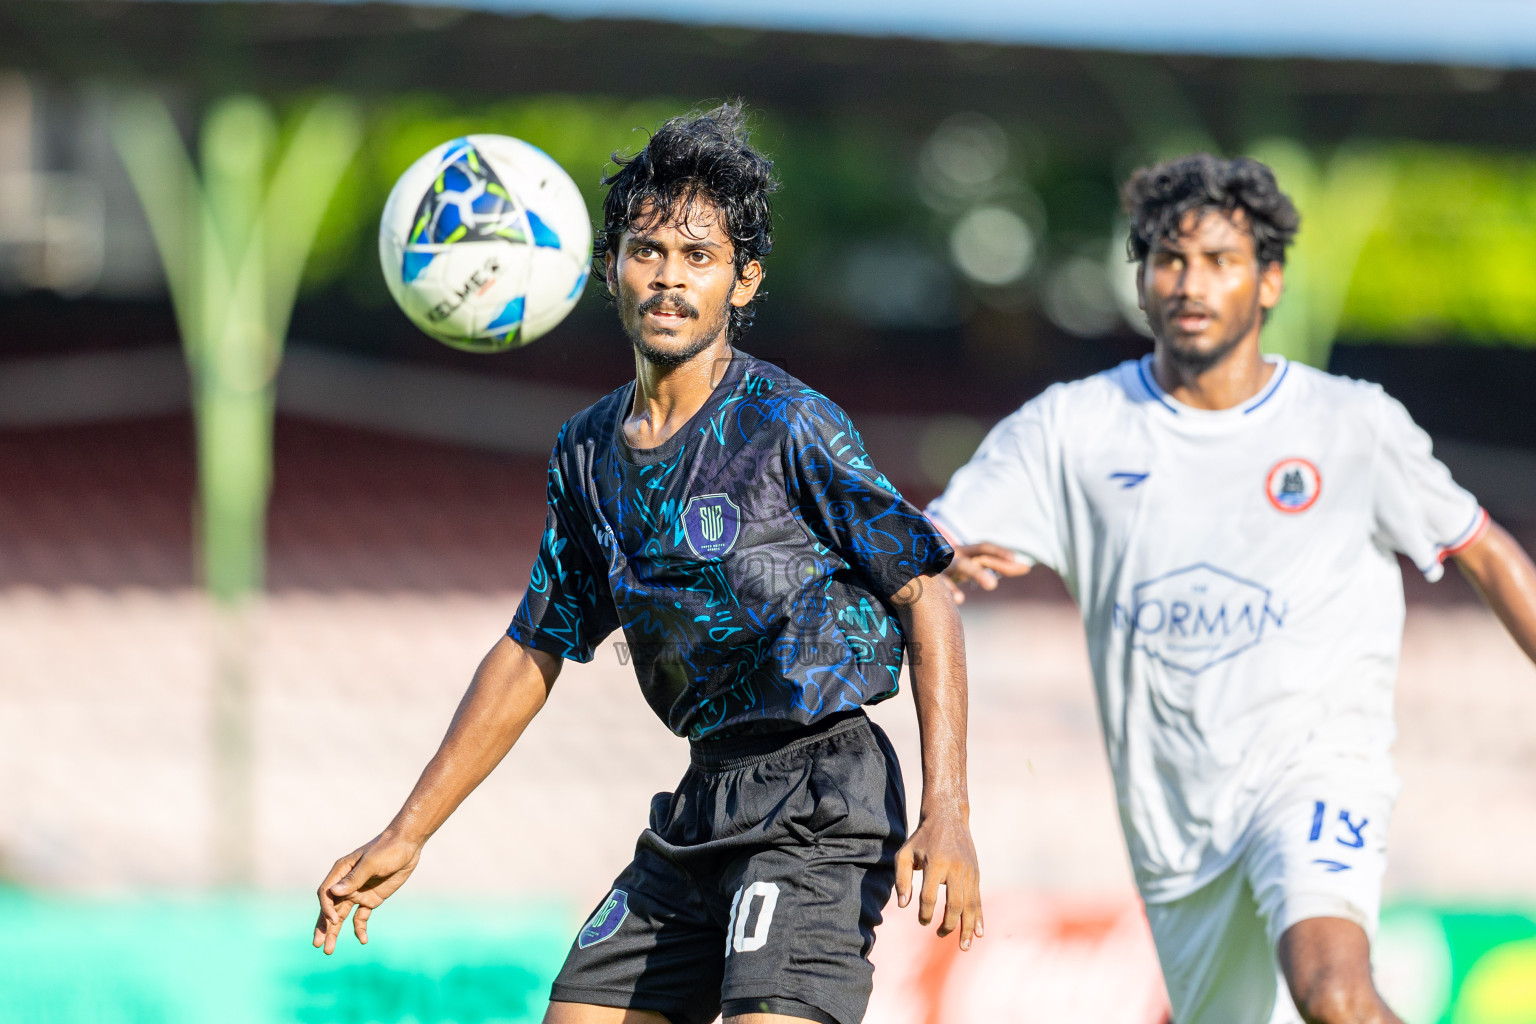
(711, 523)
(1194, 617)
(605, 920)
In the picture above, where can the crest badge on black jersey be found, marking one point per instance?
(1293, 485)
(712, 522)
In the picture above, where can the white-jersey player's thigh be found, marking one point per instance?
(1217, 960)
(1320, 851)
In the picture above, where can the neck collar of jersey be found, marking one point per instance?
(672, 445)
(1189, 414)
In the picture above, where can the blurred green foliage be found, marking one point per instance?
(1453, 254)
(233, 243)
(1341, 201)
(846, 178)
(1442, 240)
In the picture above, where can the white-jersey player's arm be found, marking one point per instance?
(1012, 492)
(1420, 511)
(1503, 574)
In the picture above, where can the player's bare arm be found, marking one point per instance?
(508, 689)
(940, 847)
(1503, 573)
(1327, 964)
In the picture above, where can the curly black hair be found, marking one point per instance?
(1157, 198)
(701, 156)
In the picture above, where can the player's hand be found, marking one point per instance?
(981, 564)
(363, 879)
(942, 850)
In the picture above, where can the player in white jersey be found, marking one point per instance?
(1227, 523)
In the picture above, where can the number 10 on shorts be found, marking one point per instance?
(737, 939)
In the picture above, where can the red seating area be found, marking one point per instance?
(110, 505)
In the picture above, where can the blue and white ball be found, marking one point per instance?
(485, 243)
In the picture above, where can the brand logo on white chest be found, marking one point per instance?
(1195, 617)
(1293, 485)
(1128, 479)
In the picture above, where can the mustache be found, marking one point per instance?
(1189, 309)
(672, 303)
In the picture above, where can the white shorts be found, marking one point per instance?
(1318, 852)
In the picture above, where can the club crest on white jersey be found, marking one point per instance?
(1293, 485)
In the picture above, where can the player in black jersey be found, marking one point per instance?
(767, 580)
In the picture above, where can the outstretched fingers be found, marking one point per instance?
(338, 871)
(929, 897)
(965, 569)
(956, 872)
(334, 906)
(903, 876)
(982, 564)
(992, 561)
(364, 879)
(360, 924)
(970, 911)
(328, 929)
(952, 916)
(962, 903)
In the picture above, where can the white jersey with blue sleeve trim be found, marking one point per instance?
(1236, 574)
(1420, 510)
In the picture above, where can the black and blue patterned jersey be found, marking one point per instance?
(748, 559)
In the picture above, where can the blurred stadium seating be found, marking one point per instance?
(409, 494)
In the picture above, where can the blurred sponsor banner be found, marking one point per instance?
(1043, 958)
(1049, 958)
(247, 960)
(1455, 966)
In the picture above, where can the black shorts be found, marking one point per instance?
(757, 887)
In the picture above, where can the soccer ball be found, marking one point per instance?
(485, 243)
